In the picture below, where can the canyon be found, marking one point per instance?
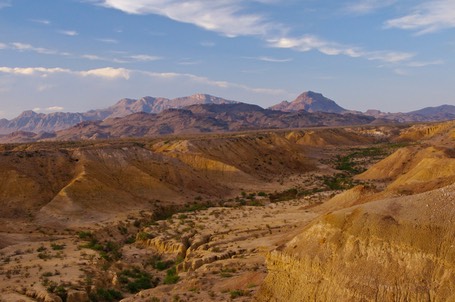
(266, 215)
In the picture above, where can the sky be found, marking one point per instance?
(76, 55)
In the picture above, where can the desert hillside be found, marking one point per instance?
(392, 243)
(310, 214)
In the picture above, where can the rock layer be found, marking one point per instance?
(389, 250)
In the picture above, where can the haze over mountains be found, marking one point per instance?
(150, 116)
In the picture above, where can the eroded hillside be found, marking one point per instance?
(193, 218)
(379, 243)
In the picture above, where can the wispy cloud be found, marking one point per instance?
(111, 73)
(187, 62)
(228, 18)
(424, 64)
(270, 59)
(428, 17)
(49, 109)
(28, 47)
(70, 33)
(224, 17)
(310, 42)
(108, 40)
(144, 58)
(30, 71)
(108, 73)
(273, 60)
(41, 21)
(367, 6)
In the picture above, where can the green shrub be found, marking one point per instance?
(105, 295)
(237, 293)
(171, 276)
(57, 247)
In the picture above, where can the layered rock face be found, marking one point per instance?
(399, 249)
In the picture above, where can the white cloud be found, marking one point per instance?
(54, 108)
(424, 64)
(223, 16)
(144, 58)
(367, 6)
(310, 42)
(108, 73)
(41, 21)
(187, 62)
(27, 47)
(108, 40)
(30, 71)
(227, 17)
(274, 60)
(70, 33)
(430, 16)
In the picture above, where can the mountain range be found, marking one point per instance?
(39, 122)
(198, 113)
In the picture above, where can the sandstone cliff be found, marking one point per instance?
(390, 250)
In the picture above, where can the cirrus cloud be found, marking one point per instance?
(227, 17)
(427, 17)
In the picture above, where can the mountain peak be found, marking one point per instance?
(27, 114)
(310, 101)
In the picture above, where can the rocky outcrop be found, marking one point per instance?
(389, 250)
(310, 101)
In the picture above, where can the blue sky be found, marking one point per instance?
(76, 55)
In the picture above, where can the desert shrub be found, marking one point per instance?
(142, 236)
(135, 280)
(105, 295)
(85, 235)
(237, 293)
(171, 276)
(162, 265)
(57, 247)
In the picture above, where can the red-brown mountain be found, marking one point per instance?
(204, 118)
(310, 101)
(31, 121)
(428, 114)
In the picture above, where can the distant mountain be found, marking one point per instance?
(203, 118)
(31, 121)
(428, 114)
(310, 101)
(202, 109)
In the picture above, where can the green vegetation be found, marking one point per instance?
(338, 181)
(237, 293)
(171, 276)
(109, 250)
(85, 235)
(135, 280)
(57, 247)
(227, 272)
(105, 295)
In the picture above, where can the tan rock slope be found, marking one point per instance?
(389, 250)
(389, 243)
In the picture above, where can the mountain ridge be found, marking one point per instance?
(309, 101)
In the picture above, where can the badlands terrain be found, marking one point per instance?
(361, 213)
